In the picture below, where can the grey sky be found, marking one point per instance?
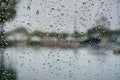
(63, 15)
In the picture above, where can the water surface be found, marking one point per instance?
(35, 63)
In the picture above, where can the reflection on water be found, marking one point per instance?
(63, 64)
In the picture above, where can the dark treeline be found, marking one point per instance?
(101, 30)
(7, 13)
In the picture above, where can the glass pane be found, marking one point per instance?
(59, 39)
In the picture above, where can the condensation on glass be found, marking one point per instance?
(59, 39)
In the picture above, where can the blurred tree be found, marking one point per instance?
(54, 34)
(62, 36)
(115, 32)
(76, 34)
(7, 10)
(7, 13)
(39, 33)
(99, 31)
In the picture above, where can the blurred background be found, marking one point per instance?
(59, 39)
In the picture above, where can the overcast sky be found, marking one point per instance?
(63, 15)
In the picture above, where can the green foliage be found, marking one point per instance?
(7, 73)
(62, 35)
(7, 10)
(3, 43)
(7, 13)
(76, 35)
(115, 32)
(54, 34)
(47, 34)
(39, 34)
(103, 31)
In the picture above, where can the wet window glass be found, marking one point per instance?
(59, 39)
